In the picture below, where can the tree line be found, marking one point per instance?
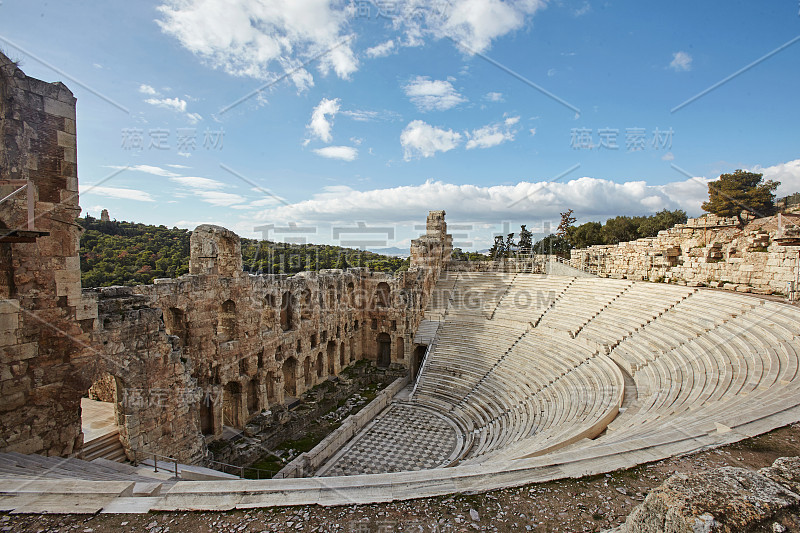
(569, 236)
(737, 194)
(130, 253)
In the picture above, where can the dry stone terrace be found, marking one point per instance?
(517, 377)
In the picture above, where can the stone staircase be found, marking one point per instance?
(426, 332)
(106, 447)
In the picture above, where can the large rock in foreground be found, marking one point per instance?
(726, 499)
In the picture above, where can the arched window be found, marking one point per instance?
(231, 402)
(290, 376)
(175, 323)
(384, 345)
(286, 311)
(252, 397)
(382, 294)
(331, 358)
(226, 325)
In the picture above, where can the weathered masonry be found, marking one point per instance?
(181, 358)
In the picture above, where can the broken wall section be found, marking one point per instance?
(46, 360)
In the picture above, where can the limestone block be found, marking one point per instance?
(724, 499)
(59, 109)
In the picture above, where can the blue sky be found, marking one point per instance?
(502, 113)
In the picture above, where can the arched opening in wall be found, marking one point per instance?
(319, 366)
(175, 323)
(290, 376)
(286, 311)
(400, 348)
(384, 342)
(100, 409)
(226, 325)
(252, 397)
(231, 405)
(331, 358)
(7, 286)
(352, 349)
(307, 304)
(207, 416)
(307, 371)
(332, 298)
(342, 362)
(270, 388)
(416, 360)
(382, 293)
(351, 294)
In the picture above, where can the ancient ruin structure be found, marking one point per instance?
(183, 357)
(517, 377)
(706, 251)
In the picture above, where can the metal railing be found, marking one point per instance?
(216, 465)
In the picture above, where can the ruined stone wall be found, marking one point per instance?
(180, 358)
(46, 361)
(706, 251)
(223, 345)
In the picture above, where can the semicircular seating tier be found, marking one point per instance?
(525, 365)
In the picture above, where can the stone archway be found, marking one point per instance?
(331, 358)
(382, 295)
(320, 365)
(384, 343)
(252, 397)
(207, 416)
(290, 376)
(231, 405)
(342, 362)
(416, 360)
(286, 311)
(226, 327)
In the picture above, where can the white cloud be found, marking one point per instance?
(681, 61)
(148, 169)
(364, 115)
(533, 131)
(381, 50)
(174, 104)
(420, 139)
(264, 39)
(147, 89)
(592, 199)
(320, 126)
(494, 97)
(345, 153)
(198, 183)
(492, 134)
(475, 23)
(787, 173)
(585, 8)
(120, 193)
(430, 95)
(178, 166)
(669, 156)
(220, 199)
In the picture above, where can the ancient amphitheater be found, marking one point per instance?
(514, 377)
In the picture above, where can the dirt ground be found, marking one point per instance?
(589, 504)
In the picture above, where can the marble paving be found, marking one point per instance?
(405, 437)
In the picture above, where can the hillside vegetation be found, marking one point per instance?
(129, 253)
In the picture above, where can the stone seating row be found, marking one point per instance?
(692, 355)
(740, 358)
(580, 302)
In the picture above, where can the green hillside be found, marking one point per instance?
(128, 253)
